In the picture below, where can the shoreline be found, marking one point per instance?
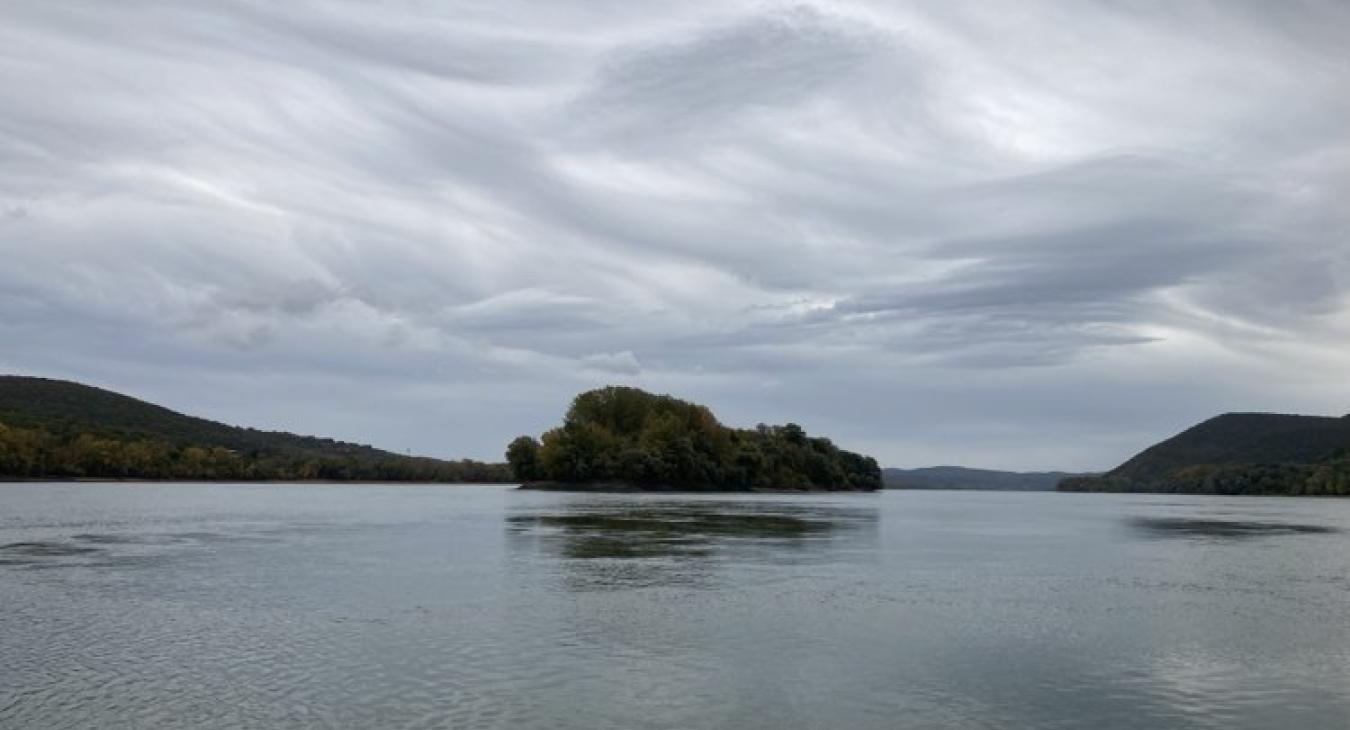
(629, 488)
(137, 480)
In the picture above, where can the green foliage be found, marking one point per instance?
(55, 429)
(523, 457)
(629, 436)
(37, 453)
(61, 407)
(1246, 453)
(1329, 478)
(1241, 438)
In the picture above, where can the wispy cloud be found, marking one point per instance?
(1030, 236)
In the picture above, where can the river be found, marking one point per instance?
(427, 606)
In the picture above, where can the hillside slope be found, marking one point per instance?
(1238, 453)
(58, 405)
(1242, 438)
(56, 428)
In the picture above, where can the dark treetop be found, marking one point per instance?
(54, 428)
(627, 438)
(1238, 453)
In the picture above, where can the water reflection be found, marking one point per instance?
(1187, 527)
(107, 550)
(627, 544)
(24, 552)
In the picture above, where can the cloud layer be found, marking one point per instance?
(1028, 237)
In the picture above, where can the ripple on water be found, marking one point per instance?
(45, 549)
(464, 608)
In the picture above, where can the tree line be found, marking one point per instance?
(43, 453)
(629, 436)
(1330, 477)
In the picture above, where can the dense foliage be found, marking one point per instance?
(60, 407)
(1240, 453)
(1241, 438)
(56, 429)
(1327, 478)
(628, 436)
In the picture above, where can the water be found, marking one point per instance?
(371, 606)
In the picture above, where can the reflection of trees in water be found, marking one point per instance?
(1163, 527)
(679, 543)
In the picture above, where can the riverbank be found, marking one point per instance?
(131, 480)
(631, 488)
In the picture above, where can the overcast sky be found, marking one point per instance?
(1015, 235)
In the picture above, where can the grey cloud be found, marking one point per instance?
(770, 60)
(1033, 237)
(619, 363)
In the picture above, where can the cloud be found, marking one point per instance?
(761, 64)
(619, 363)
(1034, 236)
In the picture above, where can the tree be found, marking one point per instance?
(523, 456)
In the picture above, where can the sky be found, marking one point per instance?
(1033, 235)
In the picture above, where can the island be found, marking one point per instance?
(1238, 453)
(626, 439)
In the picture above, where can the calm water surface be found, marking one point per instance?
(225, 606)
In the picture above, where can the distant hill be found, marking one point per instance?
(1239, 453)
(56, 428)
(959, 477)
(58, 405)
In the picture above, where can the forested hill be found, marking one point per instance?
(959, 477)
(58, 405)
(56, 428)
(1239, 453)
(627, 438)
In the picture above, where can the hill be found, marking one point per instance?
(56, 428)
(625, 438)
(959, 477)
(1238, 453)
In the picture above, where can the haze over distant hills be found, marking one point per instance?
(959, 477)
(56, 428)
(1238, 453)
